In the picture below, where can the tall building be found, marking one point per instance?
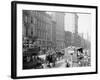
(71, 22)
(38, 24)
(76, 23)
(68, 38)
(53, 34)
(60, 34)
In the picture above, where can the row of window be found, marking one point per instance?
(42, 28)
(41, 35)
(39, 14)
(34, 19)
(38, 23)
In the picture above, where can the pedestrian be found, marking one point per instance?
(67, 63)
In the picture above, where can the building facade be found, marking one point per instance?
(53, 34)
(70, 22)
(38, 24)
(48, 30)
(60, 34)
(72, 26)
(68, 38)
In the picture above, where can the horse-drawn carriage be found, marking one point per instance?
(74, 56)
(52, 57)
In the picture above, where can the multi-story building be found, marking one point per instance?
(53, 34)
(38, 24)
(60, 34)
(71, 22)
(47, 29)
(68, 38)
(53, 29)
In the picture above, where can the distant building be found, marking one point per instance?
(60, 34)
(71, 25)
(68, 38)
(71, 22)
(53, 34)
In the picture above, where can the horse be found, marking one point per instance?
(59, 55)
(51, 60)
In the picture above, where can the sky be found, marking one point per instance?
(84, 23)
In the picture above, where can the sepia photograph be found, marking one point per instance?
(53, 39)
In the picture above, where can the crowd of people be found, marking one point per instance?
(50, 57)
(38, 57)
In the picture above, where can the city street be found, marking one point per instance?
(60, 63)
(48, 43)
